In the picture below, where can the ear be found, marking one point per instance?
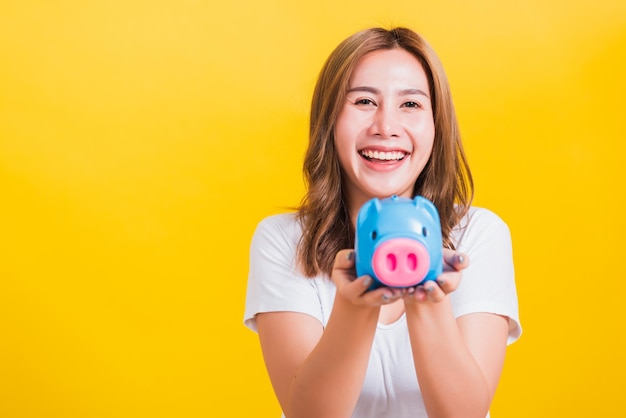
(421, 203)
(368, 210)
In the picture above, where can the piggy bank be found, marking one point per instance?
(398, 241)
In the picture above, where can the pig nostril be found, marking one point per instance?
(411, 262)
(392, 262)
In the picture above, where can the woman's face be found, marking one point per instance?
(385, 130)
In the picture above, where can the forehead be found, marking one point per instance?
(389, 65)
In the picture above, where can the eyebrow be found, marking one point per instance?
(404, 92)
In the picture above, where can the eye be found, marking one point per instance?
(412, 104)
(364, 102)
(424, 231)
(374, 235)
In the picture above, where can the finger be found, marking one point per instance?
(455, 260)
(392, 294)
(449, 281)
(344, 259)
(426, 292)
(417, 293)
(353, 290)
(382, 296)
(359, 292)
(343, 272)
(433, 292)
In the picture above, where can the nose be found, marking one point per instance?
(385, 123)
(401, 262)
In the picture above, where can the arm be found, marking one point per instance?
(319, 372)
(458, 361)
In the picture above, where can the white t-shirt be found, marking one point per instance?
(390, 388)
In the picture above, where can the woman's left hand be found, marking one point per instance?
(447, 282)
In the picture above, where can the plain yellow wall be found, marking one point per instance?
(141, 142)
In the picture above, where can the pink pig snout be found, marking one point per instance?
(400, 262)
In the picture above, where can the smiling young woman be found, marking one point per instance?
(382, 123)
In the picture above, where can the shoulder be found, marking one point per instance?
(275, 241)
(282, 222)
(481, 230)
(480, 215)
(479, 221)
(284, 226)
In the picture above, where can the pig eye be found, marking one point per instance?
(424, 231)
(374, 235)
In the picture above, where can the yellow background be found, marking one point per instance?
(141, 142)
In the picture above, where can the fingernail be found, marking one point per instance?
(441, 282)
(367, 281)
(429, 289)
(386, 297)
(350, 255)
(460, 259)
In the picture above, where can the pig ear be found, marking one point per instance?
(421, 203)
(369, 208)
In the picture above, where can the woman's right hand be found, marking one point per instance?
(356, 289)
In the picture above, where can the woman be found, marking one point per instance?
(382, 123)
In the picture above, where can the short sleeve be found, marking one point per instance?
(488, 284)
(274, 282)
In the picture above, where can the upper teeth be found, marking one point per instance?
(393, 155)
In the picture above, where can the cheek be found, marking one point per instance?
(343, 149)
(349, 124)
(425, 132)
(344, 144)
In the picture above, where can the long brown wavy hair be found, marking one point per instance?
(446, 179)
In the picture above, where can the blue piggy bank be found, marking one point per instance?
(398, 241)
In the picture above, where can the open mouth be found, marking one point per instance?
(385, 156)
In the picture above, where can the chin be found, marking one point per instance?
(381, 194)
